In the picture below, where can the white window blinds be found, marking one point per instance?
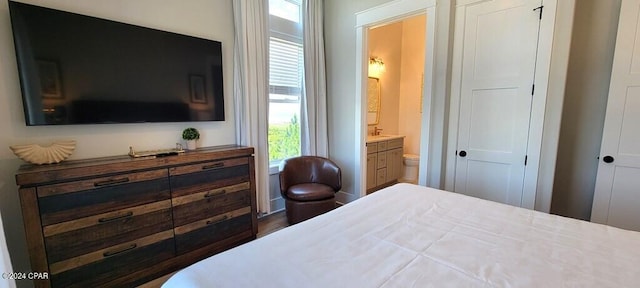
(285, 69)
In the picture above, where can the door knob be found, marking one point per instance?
(463, 153)
(608, 159)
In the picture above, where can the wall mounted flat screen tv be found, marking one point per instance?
(77, 69)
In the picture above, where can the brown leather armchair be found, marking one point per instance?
(308, 184)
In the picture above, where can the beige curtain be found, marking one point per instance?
(251, 87)
(314, 100)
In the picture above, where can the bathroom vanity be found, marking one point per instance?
(384, 161)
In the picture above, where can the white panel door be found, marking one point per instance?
(616, 199)
(498, 66)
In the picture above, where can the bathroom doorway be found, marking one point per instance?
(396, 53)
(366, 22)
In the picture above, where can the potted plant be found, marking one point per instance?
(191, 135)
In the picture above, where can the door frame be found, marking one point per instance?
(371, 18)
(550, 77)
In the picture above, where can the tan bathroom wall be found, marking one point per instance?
(411, 79)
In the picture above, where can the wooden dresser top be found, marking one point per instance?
(30, 175)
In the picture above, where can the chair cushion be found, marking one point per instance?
(310, 192)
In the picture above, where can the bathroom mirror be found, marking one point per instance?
(373, 101)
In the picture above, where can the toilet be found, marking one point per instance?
(410, 163)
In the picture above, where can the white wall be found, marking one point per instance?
(340, 46)
(592, 45)
(201, 18)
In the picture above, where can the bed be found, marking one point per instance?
(412, 236)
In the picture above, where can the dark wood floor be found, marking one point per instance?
(272, 223)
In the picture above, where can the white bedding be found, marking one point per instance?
(412, 236)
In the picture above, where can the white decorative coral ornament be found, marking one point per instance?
(36, 154)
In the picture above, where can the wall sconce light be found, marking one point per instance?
(376, 67)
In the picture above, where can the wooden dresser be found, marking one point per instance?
(120, 221)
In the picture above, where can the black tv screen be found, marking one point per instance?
(77, 69)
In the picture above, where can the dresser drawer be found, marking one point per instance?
(208, 231)
(74, 238)
(77, 199)
(208, 166)
(209, 203)
(206, 176)
(96, 268)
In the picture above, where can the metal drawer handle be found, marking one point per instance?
(116, 252)
(213, 166)
(117, 217)
(212, 194)
(111, 182)
(211, 222)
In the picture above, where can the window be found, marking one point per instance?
(286, 68)
(285, 9)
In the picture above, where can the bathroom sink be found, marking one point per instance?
(371, 138)
(376, 137)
